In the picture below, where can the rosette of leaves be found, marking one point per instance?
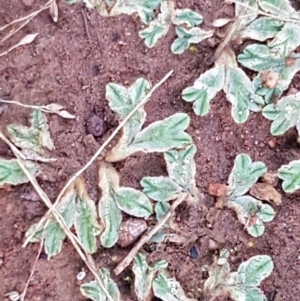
(78, 210)
(290, 176)
(233, 80)
(242, 284)
(116, 199)
(153, 280)
(251, 212)
(186, 22)
(160, 136)
(181, 170)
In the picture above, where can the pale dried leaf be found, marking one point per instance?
(266, 192)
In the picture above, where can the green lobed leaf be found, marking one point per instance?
(54, 234)
(290, 175)
(86, 225)
(168, 289)
(122, 101)
(285, 114)
(253, 271)
(158, 27)
(262, 29)
(36, 137)
(144, 276)
(186, 16)
(187, 37)
(109, 212)
(160, 188)
(252, 213)
(244, 174)
(182, 168)
(259, 57)
(133, 202)
(12, 174)
(239, 91)
(163, 135)
(205, 88)
(287, 40)
(92, 290)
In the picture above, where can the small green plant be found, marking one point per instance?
(185, 20)
(240, 285)
(251, 212)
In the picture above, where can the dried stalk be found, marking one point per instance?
(127, 260)
(87, 259)
(95, 156)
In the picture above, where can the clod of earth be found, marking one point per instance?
(96, 126)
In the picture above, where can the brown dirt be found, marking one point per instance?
(70, 63)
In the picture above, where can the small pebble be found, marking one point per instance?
(81, 275)
(14, 296)
(193, 252)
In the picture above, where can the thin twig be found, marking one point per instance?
(22, 296)
(74, 240)
(86, 26)
(96, 155)
(127, 260)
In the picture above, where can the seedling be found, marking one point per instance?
(251, 212)
(160, 136)
(186, 20)
(240, 285)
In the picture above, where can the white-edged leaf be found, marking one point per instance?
(290, 175)
(12, 174)
(163, 135)
(182, 168)
(285, 114)
(168, 289)
(287, 40)
(133, 202)
(244, 174)
(144, 275)
(187, 37)
(143, 8)
(253, 271)
(262, 29)
(109, 212)
(239, 91)
(54, 234)
(205, 88)
(186, 16)
(247, 11)
(86, 225)
(36, 137)
(159, 26)
(252, 213)
(160, 188)
(238, 293)
(92, 290)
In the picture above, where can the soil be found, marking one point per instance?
(70, 63)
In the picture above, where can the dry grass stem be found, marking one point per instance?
(74, 240)
(127, 260)
(95, 156)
